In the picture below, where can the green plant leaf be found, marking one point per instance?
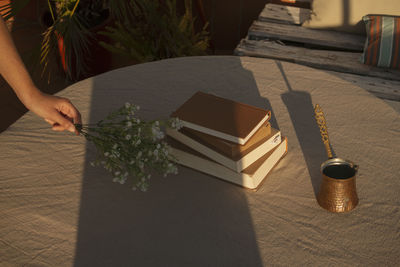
(156, 31)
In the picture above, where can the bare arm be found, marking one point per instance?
(57, 111)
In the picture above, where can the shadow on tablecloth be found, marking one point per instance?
(301, 111)
(186, 220)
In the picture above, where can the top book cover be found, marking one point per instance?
(221, 117)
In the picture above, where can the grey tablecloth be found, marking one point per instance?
(57, 210)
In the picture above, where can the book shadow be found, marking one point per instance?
(189, 219)
(301, 111)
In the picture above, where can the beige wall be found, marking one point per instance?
(346, 15)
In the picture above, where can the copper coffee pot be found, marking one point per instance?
(338, 188)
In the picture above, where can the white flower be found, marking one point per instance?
(122, 161)
(141, 165)
(137, 107)
(157, 134)
(160, 135)
(176, 123)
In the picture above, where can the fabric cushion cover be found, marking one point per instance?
(382, 44)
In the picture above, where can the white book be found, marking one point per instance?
(251, 177)
(237, 165)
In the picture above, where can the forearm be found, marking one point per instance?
(57, 111)
(13, 69)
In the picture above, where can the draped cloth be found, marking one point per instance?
(57, 210)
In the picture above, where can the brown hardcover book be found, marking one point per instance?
(230, 149)
(238, 163)
(251, 177)
(227, 119)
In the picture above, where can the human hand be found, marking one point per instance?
(59, 112)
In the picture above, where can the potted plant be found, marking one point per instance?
(147, 29)
(70, 33)
(155, 30)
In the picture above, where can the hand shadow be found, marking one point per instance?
(301, 111)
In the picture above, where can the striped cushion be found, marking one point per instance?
(383, 41)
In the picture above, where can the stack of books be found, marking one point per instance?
(226, 139)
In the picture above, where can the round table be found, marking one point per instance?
(57, 210)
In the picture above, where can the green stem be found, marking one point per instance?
(73, 10)
(51, 11)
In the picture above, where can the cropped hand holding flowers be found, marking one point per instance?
(129, 147)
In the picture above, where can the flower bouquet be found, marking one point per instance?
(129, 147)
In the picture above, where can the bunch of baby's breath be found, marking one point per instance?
(129, 147)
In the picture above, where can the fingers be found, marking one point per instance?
(72, 112)
(50, 121)
(61, 123)
(56, 126)
(58, 112)
(60, 128)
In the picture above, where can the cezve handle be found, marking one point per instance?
(320, 118)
